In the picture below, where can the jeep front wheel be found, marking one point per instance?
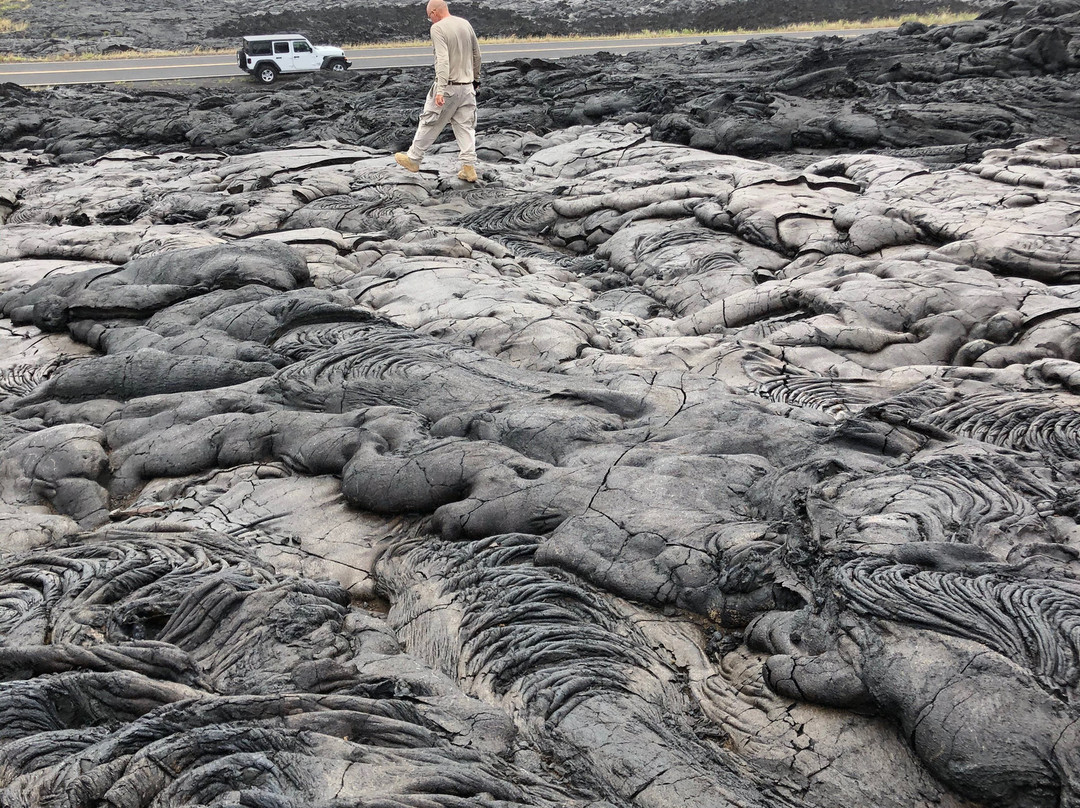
(266, 74)
(338, 66)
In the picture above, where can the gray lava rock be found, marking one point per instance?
(639, 472)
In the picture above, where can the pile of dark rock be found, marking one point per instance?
(949, 91)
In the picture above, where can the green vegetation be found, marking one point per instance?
(8, 25)
(933, 18)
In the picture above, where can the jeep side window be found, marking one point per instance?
(258, 48)
(281, 47)
(301, 47)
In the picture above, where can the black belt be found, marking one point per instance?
(459, 82)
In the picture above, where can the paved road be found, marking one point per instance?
(105, 71)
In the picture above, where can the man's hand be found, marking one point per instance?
(439, 100)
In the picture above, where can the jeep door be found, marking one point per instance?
(304, 57)
(283, 57)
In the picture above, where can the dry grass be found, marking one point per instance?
(10, 58)
(935, 18)
(8, 25)
(930, 18)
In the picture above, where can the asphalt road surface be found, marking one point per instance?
(165, 68)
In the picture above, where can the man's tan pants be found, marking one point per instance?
(458, 110)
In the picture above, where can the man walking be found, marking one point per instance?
(452, 98)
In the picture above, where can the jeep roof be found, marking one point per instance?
(260, 37)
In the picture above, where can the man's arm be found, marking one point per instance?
(442, 60)
(475, 57)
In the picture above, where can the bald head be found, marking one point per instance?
(437, 10)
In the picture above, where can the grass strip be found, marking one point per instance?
(936, 18)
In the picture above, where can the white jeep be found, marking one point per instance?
(264, 57)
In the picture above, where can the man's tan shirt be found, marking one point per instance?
(457, 53)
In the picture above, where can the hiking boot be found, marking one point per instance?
(467, 173)
(407, 162)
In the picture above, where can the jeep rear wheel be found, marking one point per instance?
(337, 66)
(266, 73)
